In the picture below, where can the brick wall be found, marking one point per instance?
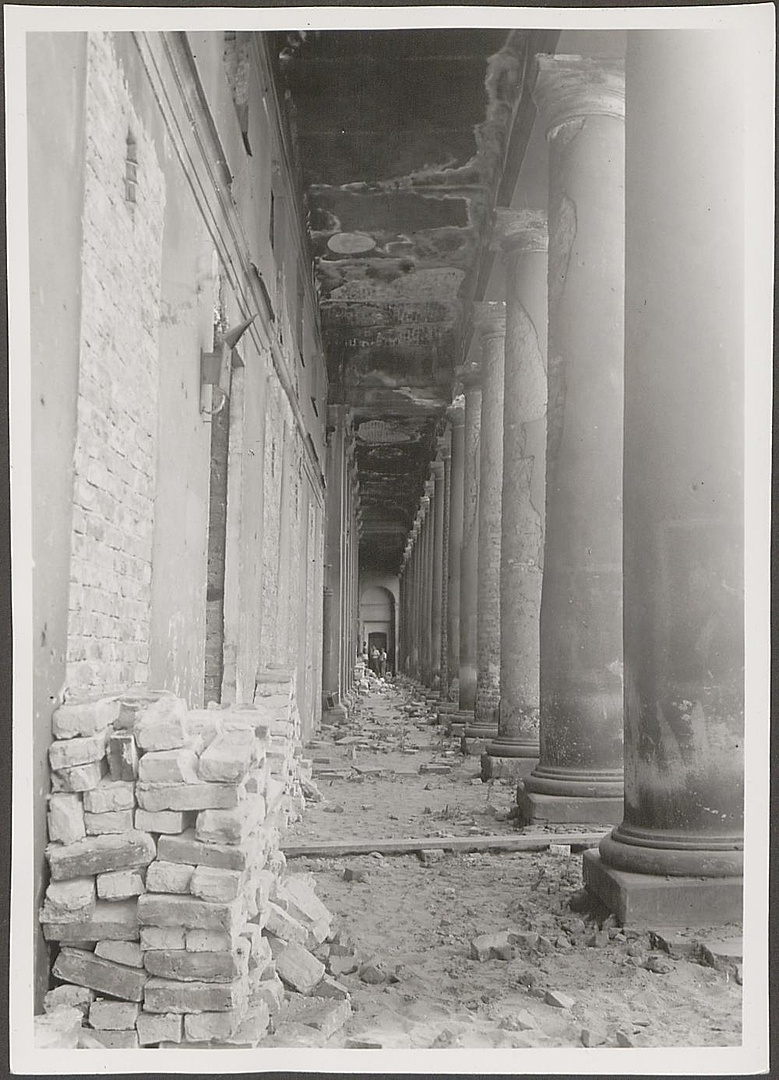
(115, 453)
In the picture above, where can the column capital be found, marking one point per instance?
(518, 231)
(572, 87)
(437, 468)
(470, 376)
(489, 318)
(455, 413)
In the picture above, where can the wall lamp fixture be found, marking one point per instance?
(215, 368)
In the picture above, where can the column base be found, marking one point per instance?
(654, 900)
(338, 714)
(458, 722)
(535, 809)
(498, 767)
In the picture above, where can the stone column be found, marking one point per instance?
(429, 580)
(332, 640)
(471, 380)
(524, 242)
(417, 608)
(491, 324)
(444, 451)
(456, 417)
(579, 774)
(437, 573)
(677, 855)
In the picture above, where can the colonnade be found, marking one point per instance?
(591, 644)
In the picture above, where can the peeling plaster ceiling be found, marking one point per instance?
(401, 137)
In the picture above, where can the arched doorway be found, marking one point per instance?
(377, 621)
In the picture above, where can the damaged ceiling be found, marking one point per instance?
(401, 137)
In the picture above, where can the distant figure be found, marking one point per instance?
(375, 658)
(383, 663)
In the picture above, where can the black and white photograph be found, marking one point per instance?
(390, 444)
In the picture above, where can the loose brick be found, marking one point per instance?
(69, 900)
(163, 937)
(204, 725)
(331, 988)
(283, 926)
(68, 753)
(121, 952)
(298, 898)
(109, 921)
(253, 1026)
(68, 996)
(80, 778)
(85, 969)
(212, 883)
(156, 797)
(161, 725)
(169, 767)
(204, 1026)
(169, 996)
(199, 966)
(165, 877)
(66, 818)
(160, 909)
(325, 1016)
(114, 1015)
(97, 854)
(163, 821)
(229, 757)
(58, 1030)
(210, 941)
(122, 756)
(109, 796)
(231, 826)
(271, 992)
(298, 968)
(83, 718)
(558, 999)
(109, 823)
(116, 1040)
(158, 1027)
(120, 884)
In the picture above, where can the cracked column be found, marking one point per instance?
(471, 380)
(491, 325)
(456, 416)
(677, 855)
(579, 774)
(524, 241)
(437, 573)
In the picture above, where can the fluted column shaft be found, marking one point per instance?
(524, 455)
(582, 104)
(470, 544)
(456, 416)
(492, 329)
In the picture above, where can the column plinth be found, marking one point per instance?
(677, 855)
(579, 774)
(491, 326)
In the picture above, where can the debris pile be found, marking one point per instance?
(174, 922)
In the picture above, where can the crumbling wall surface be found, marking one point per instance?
(169, 914)
(115, 452)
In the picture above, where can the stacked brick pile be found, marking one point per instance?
(164, 827)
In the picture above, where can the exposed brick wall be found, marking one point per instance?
(115, 453)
